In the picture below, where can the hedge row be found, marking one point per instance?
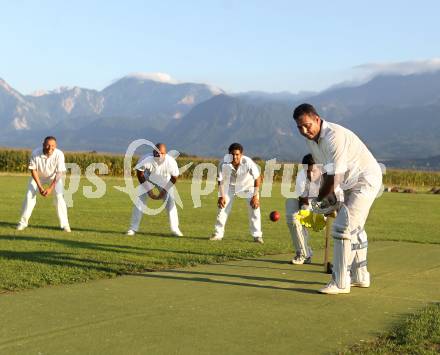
(13, 160)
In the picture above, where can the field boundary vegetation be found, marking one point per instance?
(418, 333)
(16, 160)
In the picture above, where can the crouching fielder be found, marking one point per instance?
(161, 167)
(298, 232)
(47, 167)
(238, 175)
(348, 164)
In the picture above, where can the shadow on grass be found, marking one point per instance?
(272, 261)
(112, 248)
(289, 266)
(60, 259)
(245, 277)
(168, 235)
(231, 283)
(103, 231)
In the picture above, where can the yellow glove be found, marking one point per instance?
(311, 220)
(305, 217)
(319, 222)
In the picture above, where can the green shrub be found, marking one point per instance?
(15, 161)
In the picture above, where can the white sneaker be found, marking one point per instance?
(21, 227)
(177, 233)
(67, 229)
(363, 284)
(216, 237)
(130, 232)
(259, 240)
(332, 289)
(300, 259)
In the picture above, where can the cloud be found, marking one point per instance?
(363, 73)
(402, 68)
(160, 77)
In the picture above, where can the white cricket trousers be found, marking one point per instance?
(136, 216)
(298, 233)
(31, 200)
(349, 235)
(254, 216)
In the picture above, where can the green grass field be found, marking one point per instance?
(42, 255)
(97, 248)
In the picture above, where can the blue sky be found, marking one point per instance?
(236, 45)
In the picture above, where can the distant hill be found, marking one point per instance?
(431, 163)
(398, 116)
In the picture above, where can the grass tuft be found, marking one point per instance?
(419, 333)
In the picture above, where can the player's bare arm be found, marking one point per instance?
(163, 192)
(221, 199)
(38, 182)
(255, 200)
(142, 179)
(327, 187)
(140, 176)
(303, 201)
(51, 187)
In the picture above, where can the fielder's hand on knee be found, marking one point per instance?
(221, 203)
(162, 194)
(49, 190)
(255, 202)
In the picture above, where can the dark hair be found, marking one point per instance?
(304, 109)
(308, 159)
(158, 145)
(235, 146)
(49, 138)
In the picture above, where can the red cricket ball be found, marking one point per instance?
(274, 216)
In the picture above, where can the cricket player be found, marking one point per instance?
(238, 175)
(158, 169)
(47, 168)
(347, 163)
(304, 189)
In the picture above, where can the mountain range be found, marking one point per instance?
(398, 116)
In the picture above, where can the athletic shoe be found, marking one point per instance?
(332, 289)
(21, 227)
(130, 232)
(215, 237)
(177, 233)
(300, 259)
(67, 229)
(363, 284)
(259, 240)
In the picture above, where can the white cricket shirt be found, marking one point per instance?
(164, 168)
(241, 178)
(47, 166)
(341, 152)
(302, 185)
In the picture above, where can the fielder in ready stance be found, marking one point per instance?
(347, 163)
(238, 175)
(163, 167)
(298, 232)
(47, 167)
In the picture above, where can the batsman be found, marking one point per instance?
(347, 165)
